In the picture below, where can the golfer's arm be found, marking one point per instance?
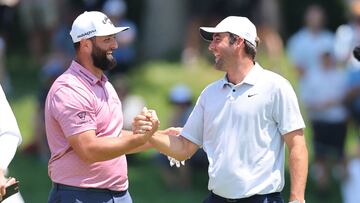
(298, 163)
(177, 147)
(138, 149)
(91, 148)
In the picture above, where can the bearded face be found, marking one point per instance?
(102, 59)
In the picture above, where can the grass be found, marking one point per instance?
(153, 81)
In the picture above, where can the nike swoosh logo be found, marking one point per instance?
(250, 95)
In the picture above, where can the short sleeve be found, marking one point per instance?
(73, 109)
(194, 127)
(286, 111)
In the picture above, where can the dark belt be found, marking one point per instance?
(246, 199)
(58, 186)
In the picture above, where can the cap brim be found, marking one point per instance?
(113, 31)
(207, 32)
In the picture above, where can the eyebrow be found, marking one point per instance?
(216, 35)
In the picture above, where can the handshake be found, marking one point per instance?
(147, 124)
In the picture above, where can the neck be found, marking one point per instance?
(87, 63)
(237, 73)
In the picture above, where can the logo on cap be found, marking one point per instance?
(86, 33)
(107, 20)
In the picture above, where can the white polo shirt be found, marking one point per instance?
(240, 128)
(10, 136)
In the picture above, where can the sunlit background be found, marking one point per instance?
(161, 51)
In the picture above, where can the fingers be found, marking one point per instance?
(144, 111)
(2, 190)
(173, 131)
(10, 181)
(141, 124)
(146, 123)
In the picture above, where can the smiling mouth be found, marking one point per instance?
(109, 53)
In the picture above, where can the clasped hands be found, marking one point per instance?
(147, 123)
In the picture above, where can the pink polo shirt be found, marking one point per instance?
(77, 102)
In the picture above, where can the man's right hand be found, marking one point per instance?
(146, 123)
(4, 182)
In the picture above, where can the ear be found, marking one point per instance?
(240, 41)
(86, 45)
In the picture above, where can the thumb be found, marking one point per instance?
(144, 111)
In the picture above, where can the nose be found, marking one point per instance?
(211, 45)
(114, 44)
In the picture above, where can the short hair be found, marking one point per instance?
(77, 46)
(250, 49)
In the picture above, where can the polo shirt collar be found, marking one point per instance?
(250, 78)
(253, 75)
(86, 74)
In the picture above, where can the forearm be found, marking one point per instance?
(106, 148)
(298, 166)
(173, 146)
(141, 148)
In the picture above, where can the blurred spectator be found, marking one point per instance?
(323, 102)
(7, 14)
(90, 5)
(200, 12)
(39, 18)
(210, 12)
(306, 45)
(125, 54)
(180, 178)
(132, 104)
(53, 68)
(347, 37)
(351, 186)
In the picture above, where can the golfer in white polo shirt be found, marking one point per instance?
(243, 122)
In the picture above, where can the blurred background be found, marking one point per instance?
(163, 64)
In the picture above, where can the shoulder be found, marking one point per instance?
(68, 84)
(213, 87)
(274, 80)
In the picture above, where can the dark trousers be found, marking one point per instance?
(267, 198)
(69, 194)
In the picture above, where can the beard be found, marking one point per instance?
(219, 64)
(101, 59)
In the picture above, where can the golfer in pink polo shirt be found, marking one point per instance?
(84, 121)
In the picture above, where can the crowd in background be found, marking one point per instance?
(328, 74)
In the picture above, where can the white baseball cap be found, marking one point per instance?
(93, 23)
(240, 26)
